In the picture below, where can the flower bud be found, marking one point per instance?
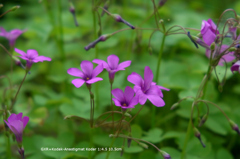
(122, 151)
(118, 18)
(198, 135)
(1, 5)
(143, 145)
(101, 38)
(106, 5)
(150, 50)
(174, 106)
(238, 31)
(212, 47)
(72, 10)
(21, 152)
(15, 8)
(196, 40)
(165, 155)
(162, 2)
(203, 120)
(234, 126)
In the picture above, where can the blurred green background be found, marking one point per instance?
(47, 95)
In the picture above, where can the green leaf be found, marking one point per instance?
(153, 135)
(224, 154)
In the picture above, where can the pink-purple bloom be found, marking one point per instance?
(125, 99)
(31, 57)
(112, 66)
(225, 58)
(12, 35)
(209, 31)
(210, 34)
(88, 75)
(17, 124)
(146, 89)
(236, 67)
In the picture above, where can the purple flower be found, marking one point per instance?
(17, 124)
(125, 99)
(146, 89)
(209, 31)
(112, 66)
(88, 74)
(225, 58)
(31, 57)
(236, 67)
(12, 35)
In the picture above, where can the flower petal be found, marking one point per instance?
(235, 66)
(128, 94)
(21, 52)
(118, 94)
(18, 127)
(148, 77)
(25, 121)
(156, 100)
(41, 59)
(116, 102)
(3, 32)
(19, 116)
(113, 62)
(134, 101)
(87, 68)
(75, 72)
(135, 79)
(97, 70)
(93, 80)
(32, 54)
(78, 82)
(98, 61)
(142, 97)
(123, 65)
(12, 118)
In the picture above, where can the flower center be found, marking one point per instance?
(124, 104)
(87, 78)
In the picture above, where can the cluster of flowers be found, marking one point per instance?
(210, 35)
(144, 88)
(16, 122)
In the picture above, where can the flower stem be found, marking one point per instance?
(15, 98)
(136, 114)
(112, 107)
(108, 153)
(157, 74)
(60, 40)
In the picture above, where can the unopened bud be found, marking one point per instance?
(203, 120)
(122, 151)
(162, 2)
(174, 106)
(197, 41)
(198, 135)
(106, 5)
(21, 152)
(220, 87)
(127, 115)
(234, 126)
(72, 10)
(1, 5)
(118, 18)
(232, 49)
(212, 47)
(101, 38)
(143, 145)
(165, 155)
(129, 141)
(15, 8)
(238, 31)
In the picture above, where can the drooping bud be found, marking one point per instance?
(101, 38)
(162, 2)
(203, 120)
(143, 145)
(198, 135)
(232, 49)
(197, 41)
(122, 151)
(118, 18)
(165, 155)
(15, 8)
(234, 126)
(72, 10)
(129, 141)
(106, 5)
(174, 106)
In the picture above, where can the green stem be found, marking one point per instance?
(186, 140)
(108, 153)
(60, 40)
(112, 107)
(157, 74)
(91, 143)
(15, 98)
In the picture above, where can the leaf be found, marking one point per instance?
(153, 135)
(133, 149)
(224, 154)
